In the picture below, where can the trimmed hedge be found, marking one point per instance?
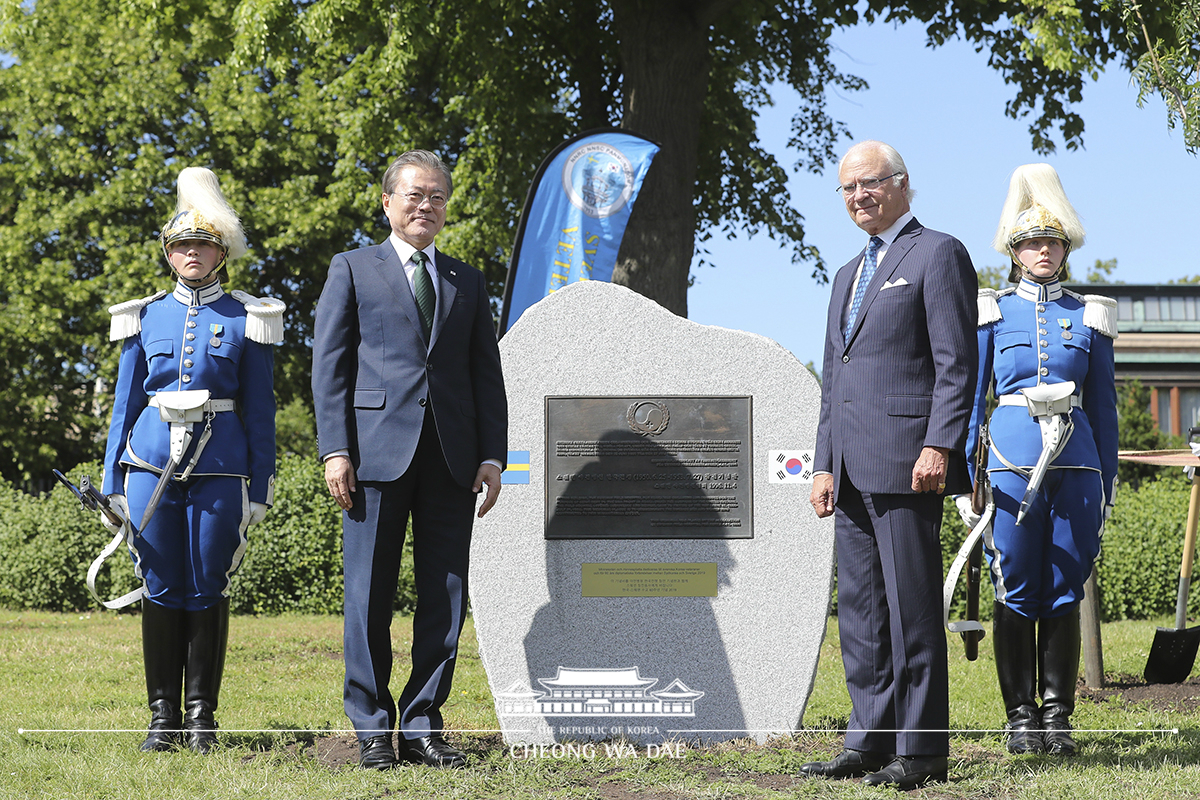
(1142, 549)
(293, 561)
(46, 546)
(1138, 568)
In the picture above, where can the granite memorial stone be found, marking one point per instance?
(653, 571)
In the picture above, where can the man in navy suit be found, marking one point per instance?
(897, 385)
(412, 419)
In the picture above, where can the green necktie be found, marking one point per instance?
(423, 289)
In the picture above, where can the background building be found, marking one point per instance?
(1159, 345)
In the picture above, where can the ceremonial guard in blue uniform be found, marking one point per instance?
(1047, 355)
(190, 461)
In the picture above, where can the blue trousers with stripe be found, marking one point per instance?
(188, 551)
(1039, 568)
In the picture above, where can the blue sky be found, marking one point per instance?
(943, 109)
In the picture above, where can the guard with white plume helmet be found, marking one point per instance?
(190, 461)
(202, 214)
(1046, 354)
(1037, 207)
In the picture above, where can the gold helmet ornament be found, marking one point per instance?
(1037, 208)
(1037, 223)
(203, 214)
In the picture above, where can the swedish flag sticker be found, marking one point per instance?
(518, 468)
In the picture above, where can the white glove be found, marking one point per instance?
(969, 517)
(118, 504)
(258, 512)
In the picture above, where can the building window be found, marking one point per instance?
(1189, 410)
(1125, 309)
(1164, 410)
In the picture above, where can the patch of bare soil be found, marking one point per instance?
(1158, 696)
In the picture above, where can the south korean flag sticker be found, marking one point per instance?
(791, 466)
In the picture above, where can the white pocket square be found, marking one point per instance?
(889, 284)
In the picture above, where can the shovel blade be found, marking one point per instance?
(1172, 655)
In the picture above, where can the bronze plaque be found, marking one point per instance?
(649, 580)
(648, 468)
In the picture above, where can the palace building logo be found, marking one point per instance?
(618, 692)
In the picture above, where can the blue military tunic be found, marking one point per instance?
(1042, 334)
(194, 339)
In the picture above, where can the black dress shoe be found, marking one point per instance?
(433, 751)
(376, 752)
(847, 764)
(909, 772)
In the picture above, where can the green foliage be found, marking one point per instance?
(46, 546)
(1102, 270)
(1142, 550)
(993, 277)
(299, 106)
(1168, 59)
(296, 429)
(102, 106)
(1137, 430)
(293, 561)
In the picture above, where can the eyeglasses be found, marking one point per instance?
(869, 185)
(418, 199)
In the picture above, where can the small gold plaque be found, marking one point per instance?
(650, 580)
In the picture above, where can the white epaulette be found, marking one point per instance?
(127, 316)
(264, 317)
(1099, 312)
(989, 306)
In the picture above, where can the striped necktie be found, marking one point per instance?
(868, 272)
(425, 295)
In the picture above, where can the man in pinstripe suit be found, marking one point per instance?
(899, 366)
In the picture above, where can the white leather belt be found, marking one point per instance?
(220, 404)
(1018, 399)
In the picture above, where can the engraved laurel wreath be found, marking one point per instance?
(644, 421)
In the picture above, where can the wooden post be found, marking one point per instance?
(1089, 625)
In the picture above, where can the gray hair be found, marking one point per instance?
(892, 157)
(416, 158)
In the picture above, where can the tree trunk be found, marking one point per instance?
(665, 64)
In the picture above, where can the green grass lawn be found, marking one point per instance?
(72, 713)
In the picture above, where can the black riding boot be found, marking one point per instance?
(164, 647)
(208, 633)
(1058, 666)
(1015, 642)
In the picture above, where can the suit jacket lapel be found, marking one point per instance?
(391, 271)
(896, 252)
(448, 278)
(842, 293)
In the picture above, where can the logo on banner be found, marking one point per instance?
(598, 179)
(791, 466)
